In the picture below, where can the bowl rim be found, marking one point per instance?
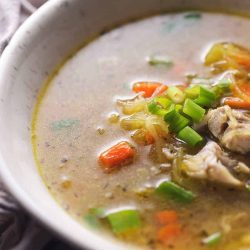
(91, 239)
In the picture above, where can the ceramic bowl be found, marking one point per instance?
(42, 42)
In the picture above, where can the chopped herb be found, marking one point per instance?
(63, 124)
(173, 191)
(193, 110)
(124, 220)
(212, 240)
(160, 60)
(175, 120)
(190, 136)
(193, 15)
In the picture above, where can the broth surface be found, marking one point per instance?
(82, 96)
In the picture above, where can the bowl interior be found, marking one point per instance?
(44, 41)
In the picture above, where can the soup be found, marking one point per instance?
(144, 133)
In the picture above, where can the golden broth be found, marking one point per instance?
(79, 100)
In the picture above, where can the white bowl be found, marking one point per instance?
(40, 44)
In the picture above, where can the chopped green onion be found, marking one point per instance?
(160, 60)
(193, 15)
(193, 92)
(173, 191)
(206, 97)
(156, 109)
(175, 94)
(163, 101)
(193, 110)
(176, 121)
(189, 136)
(212, 240)
(124, 220)
(178, 107)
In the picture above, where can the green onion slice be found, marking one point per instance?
(173, 191)
(206, 97)
(212, 240)
(124, 220)
(156, 109)
(175, 94)
(160, 60)
(190, 136)
(193, 110)
(176, 121)
(93, 217)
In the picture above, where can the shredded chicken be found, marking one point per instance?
(209, 164)
(231, 127)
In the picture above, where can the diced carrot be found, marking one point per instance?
(168, 231)
(148, 88)
(236, 103)
(166, 217)
(119, 155)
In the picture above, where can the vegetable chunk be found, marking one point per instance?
(119, 155)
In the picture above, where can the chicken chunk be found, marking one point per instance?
(209, 163)
(231, 127)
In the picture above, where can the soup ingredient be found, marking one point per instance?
(176, 121)
(236, 103)
(193, 110)
(212, 240)
(175, 94)
(231, 127)
(168, 231)
(124, 220)
(173, 191)
(149, 88)
(193, 15)
(190, 136)
(118, 155)
(223, 56)
(166, 217)
(132, 106)
(160, 60)
(207, 164)
(63, 124)
(206, 97)
(242, 90)
(143, 137)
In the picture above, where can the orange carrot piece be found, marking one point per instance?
(242, 90)
(166, 217)
(168, 231)
(148, 88)
(119, 155)
(236, 103)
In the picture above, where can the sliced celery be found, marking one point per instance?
(189, 136)
(193, 110)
